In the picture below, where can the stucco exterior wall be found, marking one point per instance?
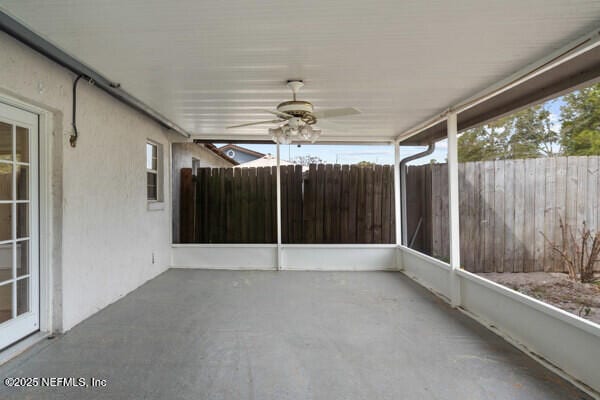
(104, 238)
(183, 154)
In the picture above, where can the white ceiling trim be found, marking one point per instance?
(556, 58)
(323, 140)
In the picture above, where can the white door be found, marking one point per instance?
(19, 225)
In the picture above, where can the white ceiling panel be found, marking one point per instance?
(209, 64)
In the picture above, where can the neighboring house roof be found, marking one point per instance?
(241, 149)
(218, 152)
(265, 161)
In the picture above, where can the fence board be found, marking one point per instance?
(540, 204)
(309, 204)
(520, 186)
(274, 204)
(437, 212)
(480, 221)
(466, 227)
(549, 212)
(186, 228)
(377, 202)
(354, 189)
(498, 216)
(560, 200)
(391, 205)
(529, 209)
(504, 207)
(488, 231)
(387, 196)
(581, 191)
(344, 203)
(592, 192)
(298, 212)
(229, 221)
(444, 205)
(509, 216)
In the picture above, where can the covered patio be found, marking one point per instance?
(190, 334)
(97, 283)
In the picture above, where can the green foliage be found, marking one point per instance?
(584, 143)
(529, 134)
(580, 117)
(525, 134)
(365, 164)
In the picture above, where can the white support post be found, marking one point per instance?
(397, 205)
(278, 206)
(453, 202)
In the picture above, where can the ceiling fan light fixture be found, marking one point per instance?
(281, 135)
(275, 133)
(309, 133)
(306, 131)
(286, 138)
(316, 134)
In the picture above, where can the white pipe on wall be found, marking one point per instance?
(403, 180)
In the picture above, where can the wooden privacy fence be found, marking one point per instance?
(504, 208)
(348, 204)
(228, 205)
(326, 204)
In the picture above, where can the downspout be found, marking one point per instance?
(403, 170)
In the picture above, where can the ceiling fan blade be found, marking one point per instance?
(327, 124)
(279, 114)
(336, 112)
(273, 121)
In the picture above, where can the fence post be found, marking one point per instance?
(453, 205)
(186, 207)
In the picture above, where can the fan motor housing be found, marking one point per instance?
(300, 109)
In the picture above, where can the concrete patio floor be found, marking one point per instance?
(198, 334)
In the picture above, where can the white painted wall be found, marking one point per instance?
(225, 256)
(562, 341)
(340, 257)
(311, 257)
(103, 234)
(182, 154)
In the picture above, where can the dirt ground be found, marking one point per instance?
(581, 299)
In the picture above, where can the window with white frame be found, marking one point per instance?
(153, 171)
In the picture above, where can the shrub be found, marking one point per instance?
(580, 253)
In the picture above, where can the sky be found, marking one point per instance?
(379, 154)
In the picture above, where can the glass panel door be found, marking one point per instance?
(19, 255)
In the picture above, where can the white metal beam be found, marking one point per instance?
(397, 205)
(325, 139)
(278, 206)
(453, 203)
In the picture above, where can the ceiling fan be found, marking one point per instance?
(297, 117)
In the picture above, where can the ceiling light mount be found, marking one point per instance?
(295, 86)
